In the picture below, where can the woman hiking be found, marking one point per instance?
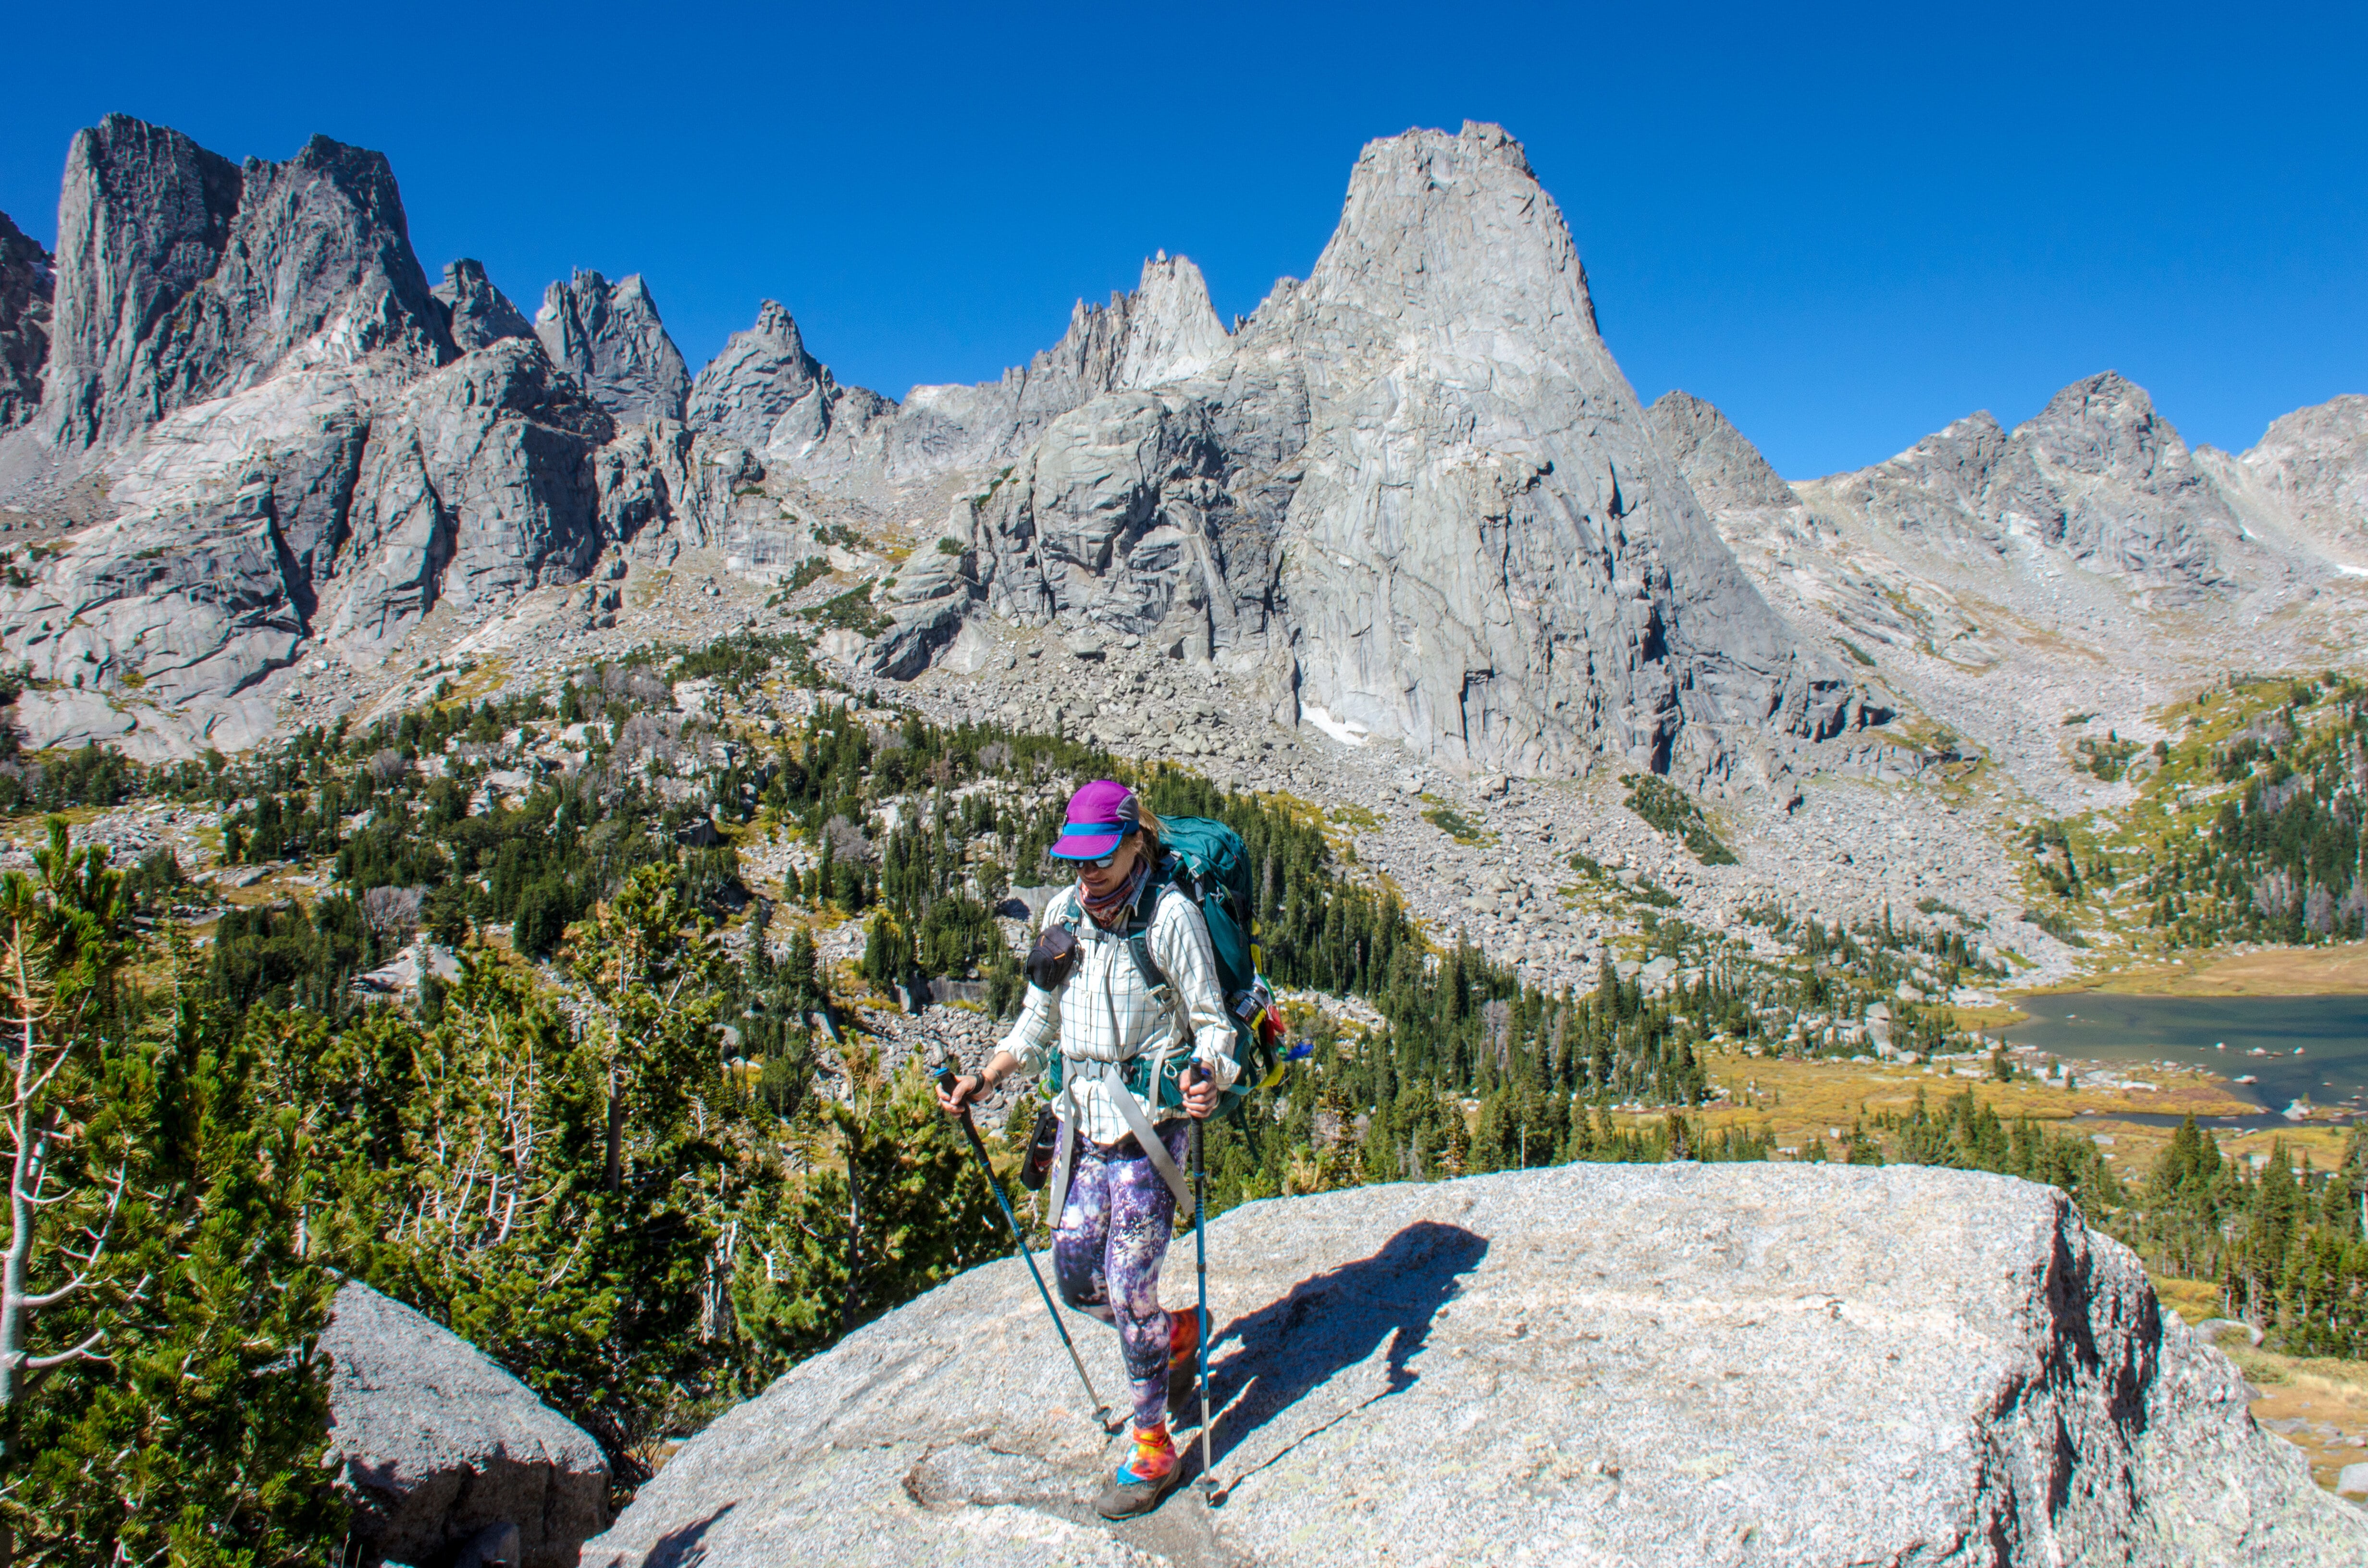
(1117, 1176)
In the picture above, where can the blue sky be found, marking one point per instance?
(1844, 225)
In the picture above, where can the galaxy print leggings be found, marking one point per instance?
(1107, 1249)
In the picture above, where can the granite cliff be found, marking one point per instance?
(275, 436)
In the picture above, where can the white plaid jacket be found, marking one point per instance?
(1105, 1013)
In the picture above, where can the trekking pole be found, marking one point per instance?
(946, 1080)
(1207, 1480)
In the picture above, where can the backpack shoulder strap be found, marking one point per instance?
(1138, 943)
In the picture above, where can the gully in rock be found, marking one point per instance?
(1124, 987)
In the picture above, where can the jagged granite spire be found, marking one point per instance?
(766, 391)
(181, 277)
(612, 340)
(1421, 490)
(478, 314)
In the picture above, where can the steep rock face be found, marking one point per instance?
(1648, 1365)
(438, 1447)
(1722, 468)
(479, 483)
(767, 392)
(200, 586)
(182, 277)
(28, 276)
(477, 313)
(610, 338)
(1424, 460)
(2313, 463)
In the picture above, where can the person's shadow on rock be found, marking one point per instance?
(1336, 1321)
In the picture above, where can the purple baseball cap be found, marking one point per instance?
(1100, 816)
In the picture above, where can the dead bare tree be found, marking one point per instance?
(59, 940)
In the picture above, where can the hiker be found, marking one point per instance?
(1117, 1175)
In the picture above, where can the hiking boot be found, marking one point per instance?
(1183, 1357)
(1149, 1474)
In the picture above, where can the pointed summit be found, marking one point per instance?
(1725, 469)
(766, 391)
(612, 340)
(479, 313)
(181, 276)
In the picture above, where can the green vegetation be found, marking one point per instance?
(2108, 759)
(1671, 810)
(2285, 1246)
(852, 610)
(2275, 851)
(1457, 826)
(1855, 652)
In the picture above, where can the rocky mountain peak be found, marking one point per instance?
(765, 390)
(2106, 426)
(1721, 465)
(1420, 205)
(181, 277)
(2101, 476)
(478, 314)
(610, 338)
(1172, 331)
(27, 277)
(2314, 462)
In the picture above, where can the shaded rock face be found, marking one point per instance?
(1722, 468)
(27, 280)
(182, 277)
(1674, 1365)
(439, 1447)
(479, 484)
(611, 339)
(478, 314)
(1420, 483)
(291, 446)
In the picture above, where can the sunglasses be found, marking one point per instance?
(1103, 864)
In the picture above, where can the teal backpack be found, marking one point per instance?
(1208, 863)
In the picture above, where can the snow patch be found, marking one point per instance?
(1348, 732)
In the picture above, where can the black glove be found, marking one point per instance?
(1050, 959)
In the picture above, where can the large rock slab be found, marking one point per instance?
(435, 1443)
(478, 484)
(1680, 1365)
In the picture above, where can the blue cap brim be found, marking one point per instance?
(1087, 842)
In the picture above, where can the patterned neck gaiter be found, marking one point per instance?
(1105, 910)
